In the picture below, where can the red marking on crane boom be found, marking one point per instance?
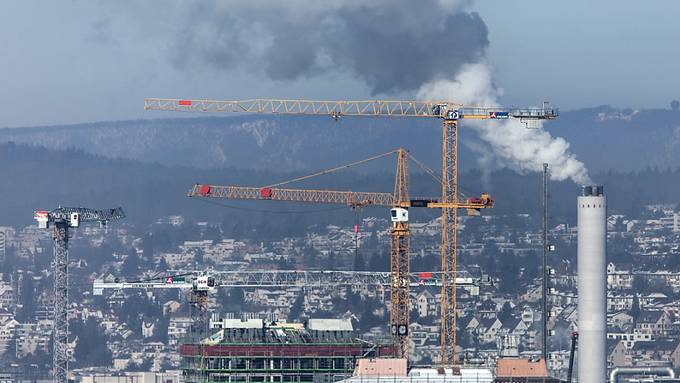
(184, 103)
(425, 275)
(356, 229)
(266, 193)
(205, 189)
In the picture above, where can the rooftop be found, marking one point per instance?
(516, 367)
(257, 331)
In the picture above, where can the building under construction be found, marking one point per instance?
(320, 350)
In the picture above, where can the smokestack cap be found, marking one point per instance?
(592, 190)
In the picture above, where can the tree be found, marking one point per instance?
(505, 313)
(640, 284)
(97, 257)
(162, 264)
(675, 105)
(330, 262)
(233, 300)
(160, 331)
(146, 365)
(379, 262)
(296, 308)
(213, 232)
(8, 264)
(509, 273)
(309, 256)
(91, 349)
(359, 263)
(635, 308)
(490, 258)
(148, 246)
(131, 265)
(27, 298)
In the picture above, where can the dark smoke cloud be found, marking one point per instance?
(392, 59)
(392, 46)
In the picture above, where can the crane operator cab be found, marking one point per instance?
(204, 283)
(74, 220)
(399, 214)
(43, 219)
(443, 111)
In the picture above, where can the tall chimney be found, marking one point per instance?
(592, 285)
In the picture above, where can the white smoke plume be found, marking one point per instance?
(512, 145)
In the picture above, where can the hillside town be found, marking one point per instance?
(142, 329)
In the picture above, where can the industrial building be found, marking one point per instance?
(252, 350)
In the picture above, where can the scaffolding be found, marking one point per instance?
(289, 352)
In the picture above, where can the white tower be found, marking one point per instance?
(592, 285)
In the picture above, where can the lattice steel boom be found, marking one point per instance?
(64, 218)
(349, 198)
(338, 108)
(189, 279)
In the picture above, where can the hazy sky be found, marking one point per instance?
(78, 61)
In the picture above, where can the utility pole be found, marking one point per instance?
(544, 269)
(356, 241)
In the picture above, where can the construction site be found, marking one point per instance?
(328, 350)
(339, 192)
(255, 351)
(323, 349)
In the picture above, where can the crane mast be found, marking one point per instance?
(448, 242)
(448, 112)
(400, 248)
(63, 219)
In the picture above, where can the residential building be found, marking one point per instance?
(658, 352)
(426, 304)
(657, 323)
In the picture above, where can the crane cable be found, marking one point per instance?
(331, 170)
(429, 171)
(426, 169)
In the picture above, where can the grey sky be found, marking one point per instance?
(77, 61)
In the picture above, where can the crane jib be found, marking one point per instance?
(336, 109)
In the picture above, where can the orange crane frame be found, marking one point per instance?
(448, 112)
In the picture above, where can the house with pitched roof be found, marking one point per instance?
(656, 352)
(657, 323)
(487, 309)
(522, 370)
(426, 304)
(617, 354)
(622, 320)
(488, 329)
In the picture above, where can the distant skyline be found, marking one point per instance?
(80, 61)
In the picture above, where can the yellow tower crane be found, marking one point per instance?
(400, 234)
(448, 112)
